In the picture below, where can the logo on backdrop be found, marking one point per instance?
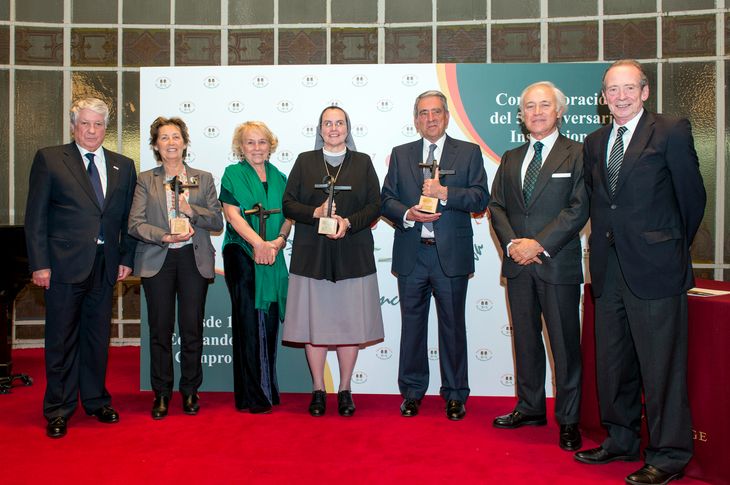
(409, 80)
(211, 131)
(309, 81)
(506, 330)
(359, 377)
(233, 158)
(484, 304)
(309, 131)
(211, 82)
(507, 380)
(484, 354)
(187, 107)
(285, 106)
(163, 82)
(409, 131)
(383, 353)
(433, 353)
(384, 105)
(260, 81)
(359, 80)
(235, 106)
(359, 130)
(285, 156)
(190, 157)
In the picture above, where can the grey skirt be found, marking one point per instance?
(321, 312)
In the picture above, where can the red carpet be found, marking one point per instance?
(221, 445)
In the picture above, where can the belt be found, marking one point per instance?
(428, 241)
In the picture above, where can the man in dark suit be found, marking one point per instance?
(647, 200)
(78, 248)
(434, 253)
(538, 206)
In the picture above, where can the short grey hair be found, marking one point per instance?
(644, 81)
(561, 101)
(429, 94)
(94, 104)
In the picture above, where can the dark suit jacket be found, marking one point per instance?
(62, 217)
(468, 192)
(557, 211)
(314, 255)
(148, 221)
(657, 208)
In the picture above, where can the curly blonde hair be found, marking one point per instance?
(241, 129)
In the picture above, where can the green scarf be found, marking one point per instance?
(242, 181)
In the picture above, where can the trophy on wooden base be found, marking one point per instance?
(328, 225)
(179, 224)
(430, 204)
(263, 214)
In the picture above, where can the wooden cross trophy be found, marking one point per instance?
(179, 224)
(328, 225)
(430, 204)
(258, 210)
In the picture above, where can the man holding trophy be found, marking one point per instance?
(432, 187)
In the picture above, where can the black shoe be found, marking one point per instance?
(159, 407)
(345, 405)
(318, 406)
(570, 439)
(649, 474)
(455, 410)
(190, 404)
(106, 414)
(260, 409)
(409, 407)
(599, 456)
(56, 427)
(515, 419)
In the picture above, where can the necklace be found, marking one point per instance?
(326, 168)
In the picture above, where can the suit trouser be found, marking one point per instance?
(529, 298)
(415, 292)
(179, 276)
(78, 323)
(643, 342)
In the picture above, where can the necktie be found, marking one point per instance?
(427, 175)
(533, 170)
(96, 184)
(615, 158)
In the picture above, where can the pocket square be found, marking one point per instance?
(561, 175)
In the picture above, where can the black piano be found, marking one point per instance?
(13, 278)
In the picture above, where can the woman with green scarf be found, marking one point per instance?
(254, 266)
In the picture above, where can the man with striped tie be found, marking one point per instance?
(647, 201)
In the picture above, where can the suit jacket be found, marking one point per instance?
(62, 216)
(656, 210)
(314, 255)
(148, 221)
(557, 211)
(468, 192)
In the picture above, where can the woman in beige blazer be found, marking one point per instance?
(174, 258)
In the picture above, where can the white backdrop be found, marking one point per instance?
(379, 100)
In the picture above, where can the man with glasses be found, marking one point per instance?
(433, 252)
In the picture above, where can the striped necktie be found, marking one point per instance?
(615, 159)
